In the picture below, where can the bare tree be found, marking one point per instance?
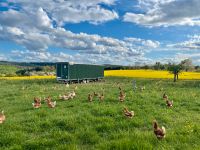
(187, 65)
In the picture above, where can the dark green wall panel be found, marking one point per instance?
(79, 71)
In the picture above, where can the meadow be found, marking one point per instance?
(79, 124)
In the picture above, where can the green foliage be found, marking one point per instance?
(38, 69)
(197, 68)
(186, 65)
(175, 69)
(21, 72)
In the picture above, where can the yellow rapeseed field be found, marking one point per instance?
(125, 73)
(28, 77)
(150, 74)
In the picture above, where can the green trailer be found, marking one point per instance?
(69, 72)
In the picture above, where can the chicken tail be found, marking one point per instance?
(155, 124)
(132, 112)
(163, 129)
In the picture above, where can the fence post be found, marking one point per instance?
(134, 85)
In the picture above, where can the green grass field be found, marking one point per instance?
(78, 124)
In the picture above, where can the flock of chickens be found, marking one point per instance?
(159, 132)
(51, 104)
(37, 102)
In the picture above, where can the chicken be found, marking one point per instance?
(120, 88)
(64, 97)
(122, 96)
(128, 113)
(36, 105)
(169, 103)
(2, 117)
(73, 93)
(70, 95)
(95, 94)
(101, 97)
(54, 87)
(121, 93)
(159, 132)
(50, 103)
(75, 88)
(67, 85)
(90, 97)
(61, 96)
(37, 102)
(24, 87)
(165, 97)
(142, 88)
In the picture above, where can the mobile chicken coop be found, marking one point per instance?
(68, 72)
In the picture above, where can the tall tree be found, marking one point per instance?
(176, 70)
(187, 65)
(157, 66)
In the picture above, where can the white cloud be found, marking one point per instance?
(33, 27)
(76, 58)
(94, 15)
(70, 11)
(166, 13)
(26, 20)
(39, 40)
(3, 57)
(193, 43)
(15, 31)
(194, 56)
(35, 41)
(143, 43)
(42, 18)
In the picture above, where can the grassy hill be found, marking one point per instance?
(79, 124)
(11, 69)
(8, 70)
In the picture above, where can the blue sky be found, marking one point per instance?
(100, 31)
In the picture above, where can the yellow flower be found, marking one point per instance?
(28, 77)
(125, 73)
(150, 74)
